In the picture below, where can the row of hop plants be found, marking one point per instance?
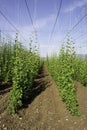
(19, 66)
(62, 69)
(6, 64)
(81, 69)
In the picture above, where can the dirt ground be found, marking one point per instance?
(44, 110)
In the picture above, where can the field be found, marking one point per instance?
(38, 94)
(43, 65)
(44, 110)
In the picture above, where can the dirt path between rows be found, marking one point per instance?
(44, 110)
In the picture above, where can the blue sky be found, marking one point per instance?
(44, 13)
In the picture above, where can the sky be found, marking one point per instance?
(43, 13)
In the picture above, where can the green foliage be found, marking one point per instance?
(26, 65)
(5, 62)
(63, 72)
(83, 71)
(20, 66)
(80, 70)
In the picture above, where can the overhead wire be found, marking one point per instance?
(8, 20)
(7, 35)
(29, 13)
(80, 36)
(79, 21)
(11, 24)
(58, 13)
(15, 28)
(28, 9)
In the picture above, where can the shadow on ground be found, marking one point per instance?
(40, 84)
(5, 87)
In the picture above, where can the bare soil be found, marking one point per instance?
(44, 110)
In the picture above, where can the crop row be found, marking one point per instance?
(19, 66)
(65, 69)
